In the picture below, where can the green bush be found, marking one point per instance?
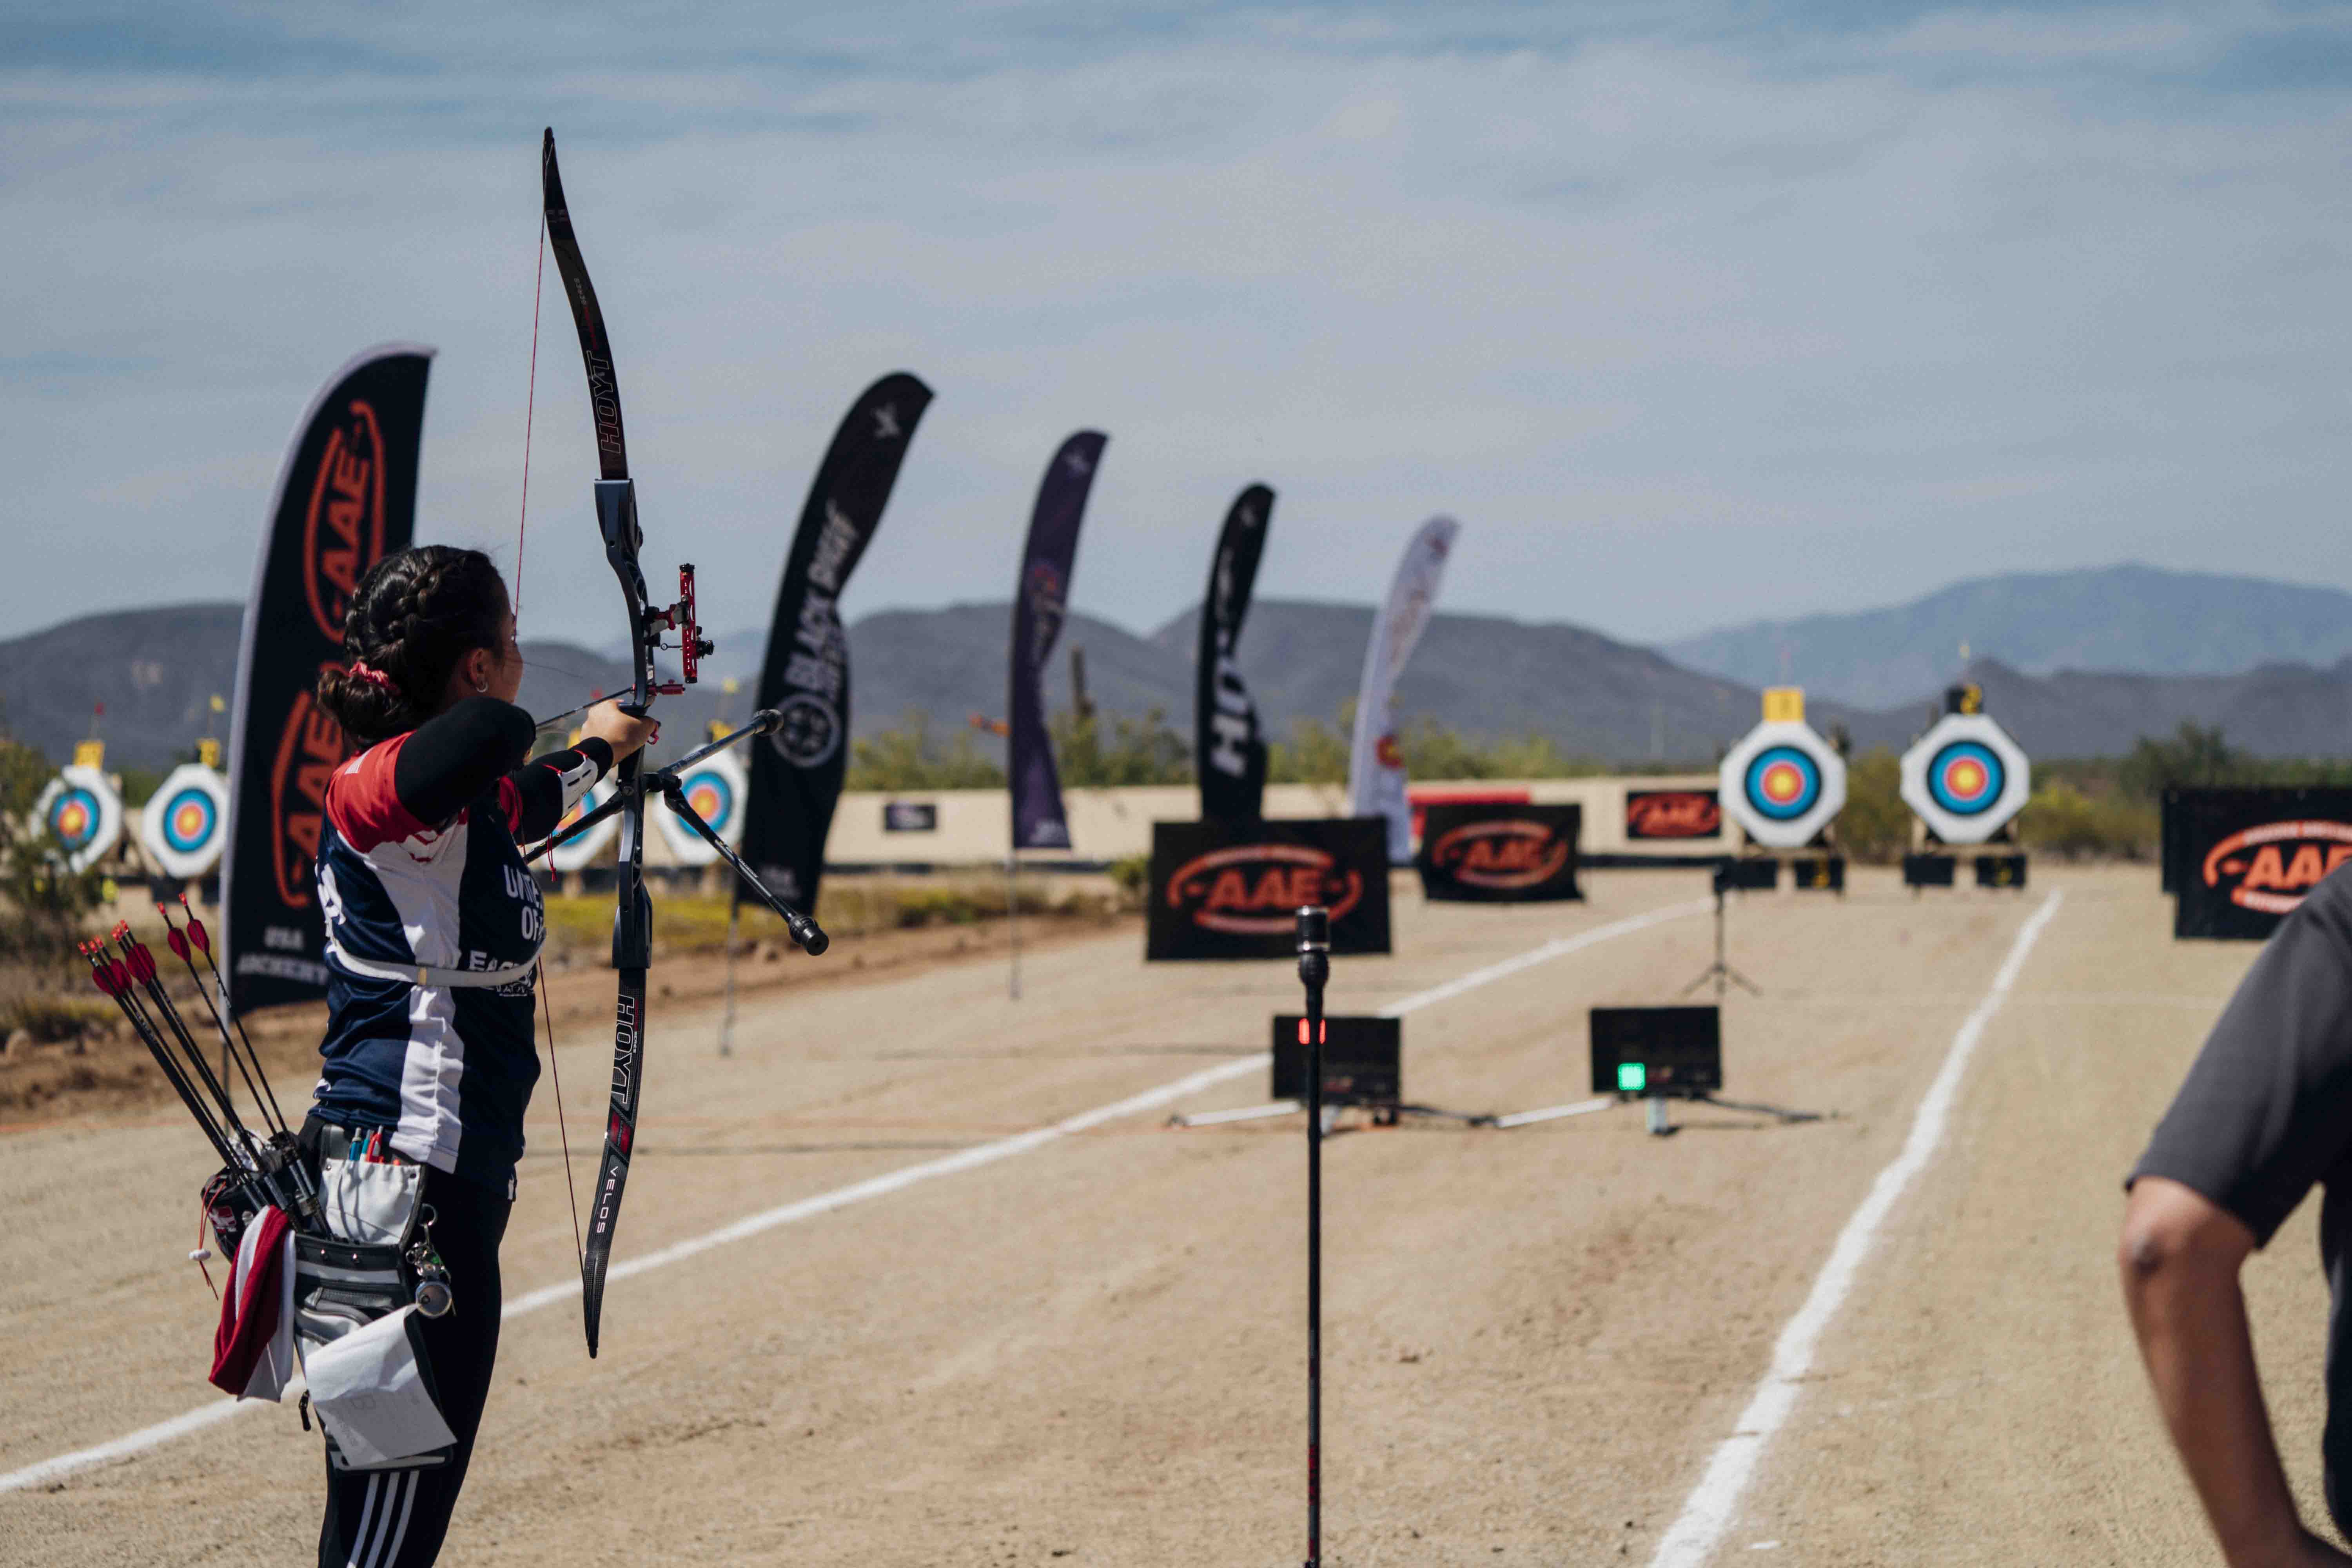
(1143, 751)
(2063, 820)
(44, 907)
(1876, 826)
(910, 757)
(1131, 874)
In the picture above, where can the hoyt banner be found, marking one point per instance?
(1488, 852)
(1228, 751)
(1375, 767)
(2242, 860)
(796, 773)
(1232, 889)
(1040, 601)
(346, 498)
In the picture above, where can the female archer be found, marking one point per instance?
(434, 926)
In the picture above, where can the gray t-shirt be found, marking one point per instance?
(2266, 1115)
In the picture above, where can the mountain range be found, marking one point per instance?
(1593, 695)
(2128, 617)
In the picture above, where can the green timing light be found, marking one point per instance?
(1633, 1077)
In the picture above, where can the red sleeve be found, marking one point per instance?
(361, 802)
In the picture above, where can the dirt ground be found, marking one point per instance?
(1084, 1346)
(52, 1083)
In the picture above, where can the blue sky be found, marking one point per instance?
(1692, 313)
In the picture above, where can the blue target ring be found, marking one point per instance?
(74, 816)
(1782, 782)
(1966, 778)
(191, 818)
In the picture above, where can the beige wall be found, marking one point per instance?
(975, 825)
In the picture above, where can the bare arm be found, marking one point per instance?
(2179, 1256)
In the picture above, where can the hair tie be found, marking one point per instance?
(362, 670)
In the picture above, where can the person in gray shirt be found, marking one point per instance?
(2264, 1115)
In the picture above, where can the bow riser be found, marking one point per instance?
(616, 520)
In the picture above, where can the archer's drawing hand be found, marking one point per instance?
(606, 722)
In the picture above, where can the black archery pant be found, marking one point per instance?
(395, 1518)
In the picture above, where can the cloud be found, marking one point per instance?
(1691, 316)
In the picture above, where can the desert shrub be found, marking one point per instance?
(1876, 826)
(1132, 875)
(911, 757)
(1143, 751)
(51, 1017)
(2063, 820)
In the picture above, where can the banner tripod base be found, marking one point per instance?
(1659, 1126)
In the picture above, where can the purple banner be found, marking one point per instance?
(1040, 598)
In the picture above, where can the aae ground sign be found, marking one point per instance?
(2246, 857)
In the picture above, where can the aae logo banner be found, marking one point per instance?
(1499, 854)
(2244, 859)
(1232, 889)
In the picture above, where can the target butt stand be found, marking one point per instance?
(1745, 874)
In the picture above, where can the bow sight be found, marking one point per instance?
(692, 646)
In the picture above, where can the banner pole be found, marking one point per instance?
(1012, 913)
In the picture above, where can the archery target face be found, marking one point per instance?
(183, 824)
(1782, 784)
(73, 817)
(715, 788)
(80, 807)
(1966, 778)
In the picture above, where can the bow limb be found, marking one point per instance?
(616, 519)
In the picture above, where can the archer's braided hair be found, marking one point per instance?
(413, 618)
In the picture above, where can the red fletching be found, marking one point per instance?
(116, 973)
(98, 978)
(196, 927)
(142, 964)
(179, 945)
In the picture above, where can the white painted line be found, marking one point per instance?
(124, 1447)
(1247, 1113)
(1555, 1112)
(1698, 1530)
(963, 1160)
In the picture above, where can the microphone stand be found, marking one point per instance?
(1314, 970)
